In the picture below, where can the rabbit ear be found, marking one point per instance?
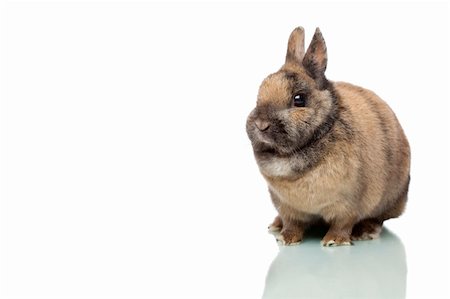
(315, 60)
(296, 46)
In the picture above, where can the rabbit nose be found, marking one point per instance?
(262, 125)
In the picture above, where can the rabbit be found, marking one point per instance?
(330, 152)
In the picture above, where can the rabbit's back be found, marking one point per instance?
(380, 144)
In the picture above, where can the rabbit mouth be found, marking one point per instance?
(271, 141)
(263, 138)
(267, 151)
(261, 142)
(265, 146)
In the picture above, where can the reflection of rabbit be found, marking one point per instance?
(329, 151)
(370, 270)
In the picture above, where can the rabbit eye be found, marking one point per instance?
(299, 100)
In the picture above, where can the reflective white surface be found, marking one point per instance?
(369, 269)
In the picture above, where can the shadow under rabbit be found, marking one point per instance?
(369, 269)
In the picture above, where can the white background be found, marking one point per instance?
(125, 167)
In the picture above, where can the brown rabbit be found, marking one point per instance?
(330, 151)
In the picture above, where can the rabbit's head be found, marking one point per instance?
(296, 106)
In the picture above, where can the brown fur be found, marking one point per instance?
(343, 158)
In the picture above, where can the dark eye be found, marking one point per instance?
(299, 100)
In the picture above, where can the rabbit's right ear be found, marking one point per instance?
(315, 60)
(296, 47)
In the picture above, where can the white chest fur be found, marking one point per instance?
(276, 167)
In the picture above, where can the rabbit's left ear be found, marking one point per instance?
(296, 46)
(315, 60)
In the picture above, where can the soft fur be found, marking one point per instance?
(343, 159)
